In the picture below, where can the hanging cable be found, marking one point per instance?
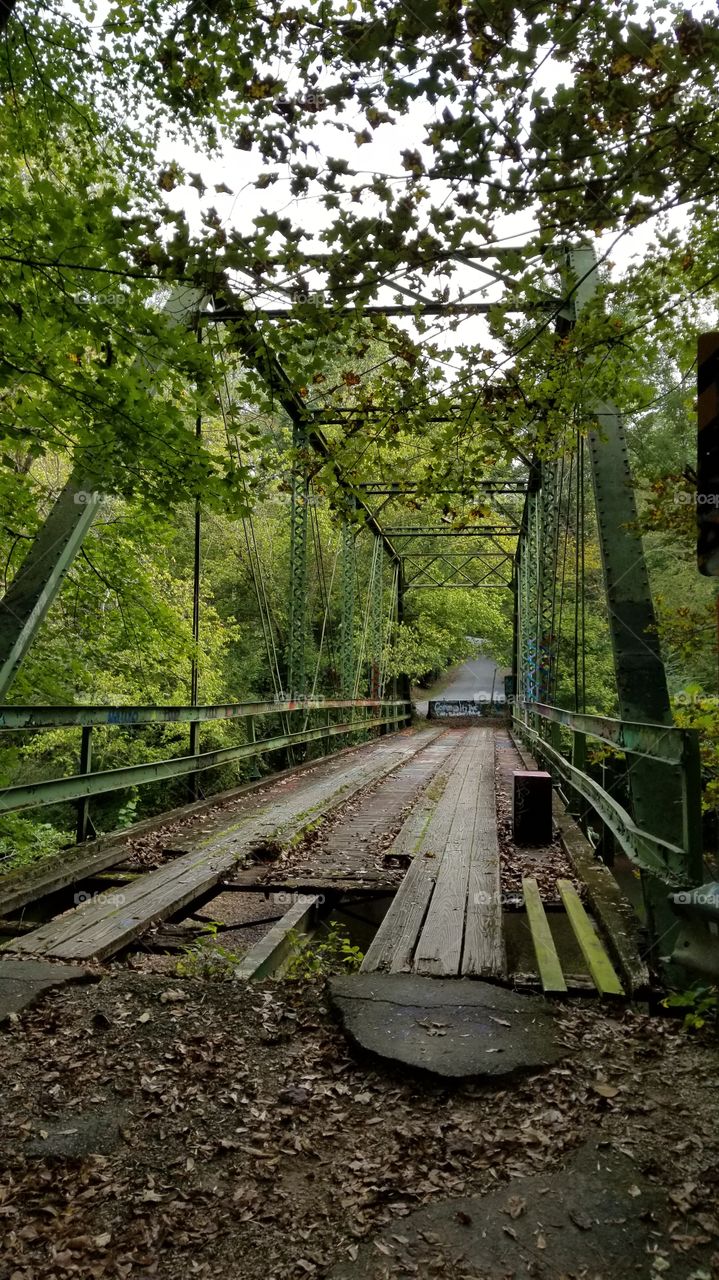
(325, 592)
(322, 635)
(253, 556)
(365, 621)
(566, 523)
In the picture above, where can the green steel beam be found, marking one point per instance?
(252, 342)
(60, 790)
(547, 562)
(641, 679)
(15, 718)
(447, 531)
(658, 742)
(529, 600)
(41, 574)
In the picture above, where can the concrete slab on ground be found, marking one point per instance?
(595, 1217)
(456, 1028)
(22, 982)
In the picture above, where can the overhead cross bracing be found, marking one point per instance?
(469, 537)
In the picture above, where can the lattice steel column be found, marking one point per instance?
(347, 670)
(298, 577)
(529, 591)
(641, 679)
(376, 622)
(547, 560)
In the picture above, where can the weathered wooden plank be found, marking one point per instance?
(609, 905)
(548, 964)
(439, 949)
(423, 838)
(268, 955)
(393, 945)
(99, 927)
(483, 954)
(75, 865)
(600, 966)
(326, 792)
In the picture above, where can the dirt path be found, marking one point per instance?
(152, 1127)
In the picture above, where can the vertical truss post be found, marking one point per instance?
(298, 573)
(85, 827)
(376, 622)
(516, 622)
(529, 601)
(547, 560)
(641, 679)
(347, 670)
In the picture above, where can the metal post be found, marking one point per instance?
(298, 572)
(579, 760)
(691, 780)
(84, 821)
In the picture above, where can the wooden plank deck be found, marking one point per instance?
(483, 954)
(446, 917)
(548, 963)
(600, 966)
(100, 927)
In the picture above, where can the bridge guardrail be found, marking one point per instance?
(81, 786)
(678, 749)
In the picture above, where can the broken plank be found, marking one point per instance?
(600, 966)
(393, 945)
(548, 964)
(268, 955)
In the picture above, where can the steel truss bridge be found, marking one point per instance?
(520, 548)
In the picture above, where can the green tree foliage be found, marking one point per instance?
(567, 120)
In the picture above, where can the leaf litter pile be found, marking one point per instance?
(180, 1129)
